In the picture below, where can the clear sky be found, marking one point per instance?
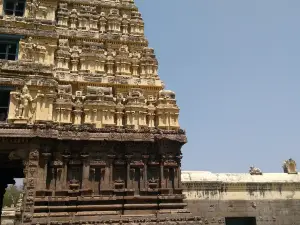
(234, 66)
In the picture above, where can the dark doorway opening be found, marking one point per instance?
(4, 103)
(8, 171)
(240, 221)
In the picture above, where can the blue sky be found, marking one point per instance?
(234, 66)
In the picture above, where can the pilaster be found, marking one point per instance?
(31, 165)
(66, 157)
(85, 171)
(46, 156)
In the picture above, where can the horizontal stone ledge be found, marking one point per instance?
(81, 213)
(85, 207)
(118, 5)
(172, 205)
(140, 206)
(93, 135)
(31, 32)
(118, 219)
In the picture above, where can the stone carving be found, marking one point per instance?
(167, 110)
(62, 15)
(73, 19)
(24, 108)
(63, 55)
(255, 171)
(34, 155)
(33, 7)
(25, 100)
(289, 166)
(19, 203)
(166, 94)
(17, 154)
(33, 52)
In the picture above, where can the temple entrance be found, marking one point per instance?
(240, 221)
(7, 175)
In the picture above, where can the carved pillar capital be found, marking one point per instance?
(128, 158)
(66, 155)
(111, 157)
(46, 153)
(145, 158)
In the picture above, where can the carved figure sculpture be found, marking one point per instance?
(289, 166)
(33, 8)
(255, 171)
(119, 110)
(29, 47)
(33, 52)
(25, 100)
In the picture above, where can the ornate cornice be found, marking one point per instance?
(117, 5)
(83, 132)
(179, 219)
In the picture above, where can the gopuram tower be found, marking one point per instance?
(84, 116)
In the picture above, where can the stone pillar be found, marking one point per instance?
(46, 155)
(53, 178)
(145, 175)
(13, 105)
(111, 168)
(85, 171)
(128, 180)
(39, 99)
(66, 156)
(162, 183)
(179, 183)
(77, 115)
(31, 180)
(50, 105)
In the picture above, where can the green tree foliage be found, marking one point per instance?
(11, 195)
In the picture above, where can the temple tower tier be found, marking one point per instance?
(98, 173)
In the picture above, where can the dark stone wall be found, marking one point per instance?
(276, 212)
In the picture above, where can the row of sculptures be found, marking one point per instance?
(94, 58)
(88, 17)
(91, 58)
(96, 106)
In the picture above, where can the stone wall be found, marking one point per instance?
(270, 198)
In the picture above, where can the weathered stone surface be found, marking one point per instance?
(272, 198)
